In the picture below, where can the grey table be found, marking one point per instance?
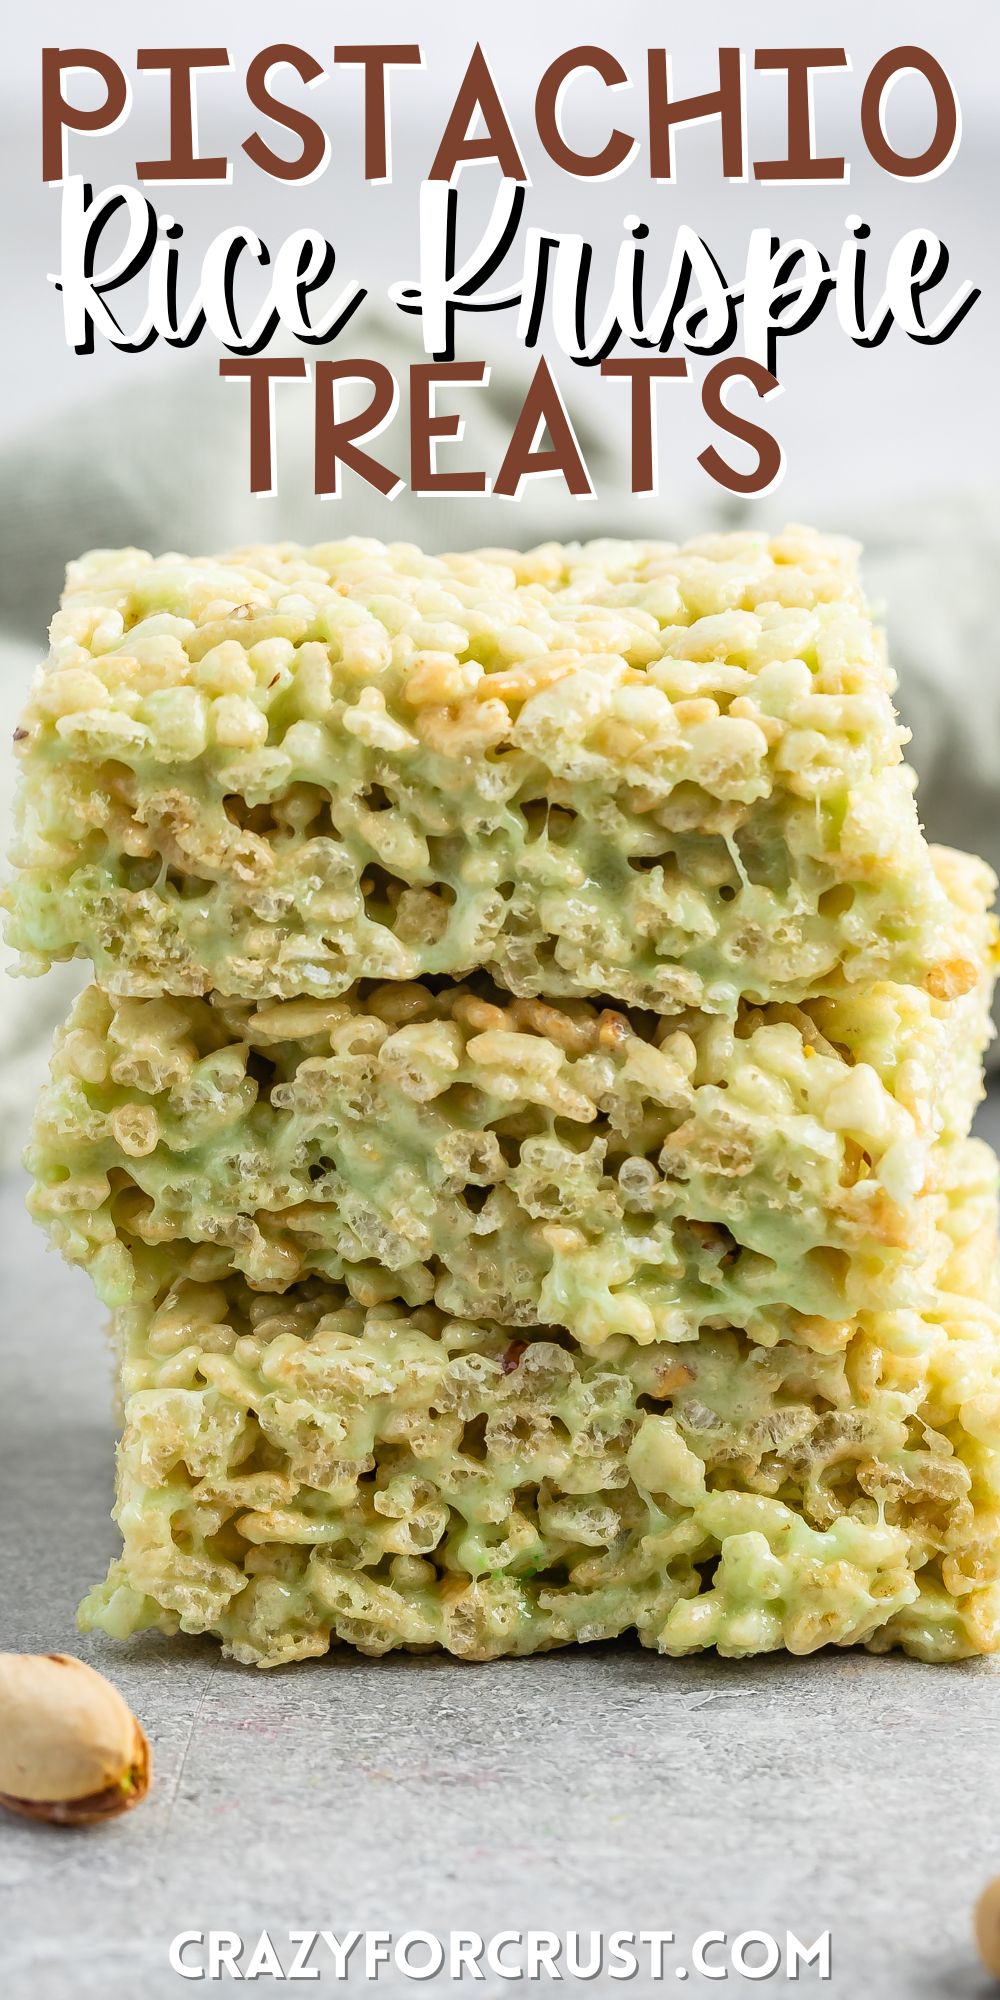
(604, 1789)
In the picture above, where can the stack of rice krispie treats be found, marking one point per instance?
(519, 1123)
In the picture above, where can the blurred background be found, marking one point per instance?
(897, 446)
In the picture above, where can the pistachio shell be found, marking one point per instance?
(987, 1926)
(71, 1750)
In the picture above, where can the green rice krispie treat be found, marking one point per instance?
(668, 775)
(298, 1470)
(520, 1160)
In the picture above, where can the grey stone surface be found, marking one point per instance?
(601, 1789)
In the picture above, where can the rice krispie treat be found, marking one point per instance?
(667, 775)
(297, 1470)
(530, 1162)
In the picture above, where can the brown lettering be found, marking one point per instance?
(666, 112)
(585, 166)
(426, 426)
(477, 92)
(800, 162)
(183, 163)
(261, 372)
(769, 458)
(543, 409)
(920, 166)
(313, 153)
(375, 58)
(641, 373)
(336, 437)
(59, 117)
